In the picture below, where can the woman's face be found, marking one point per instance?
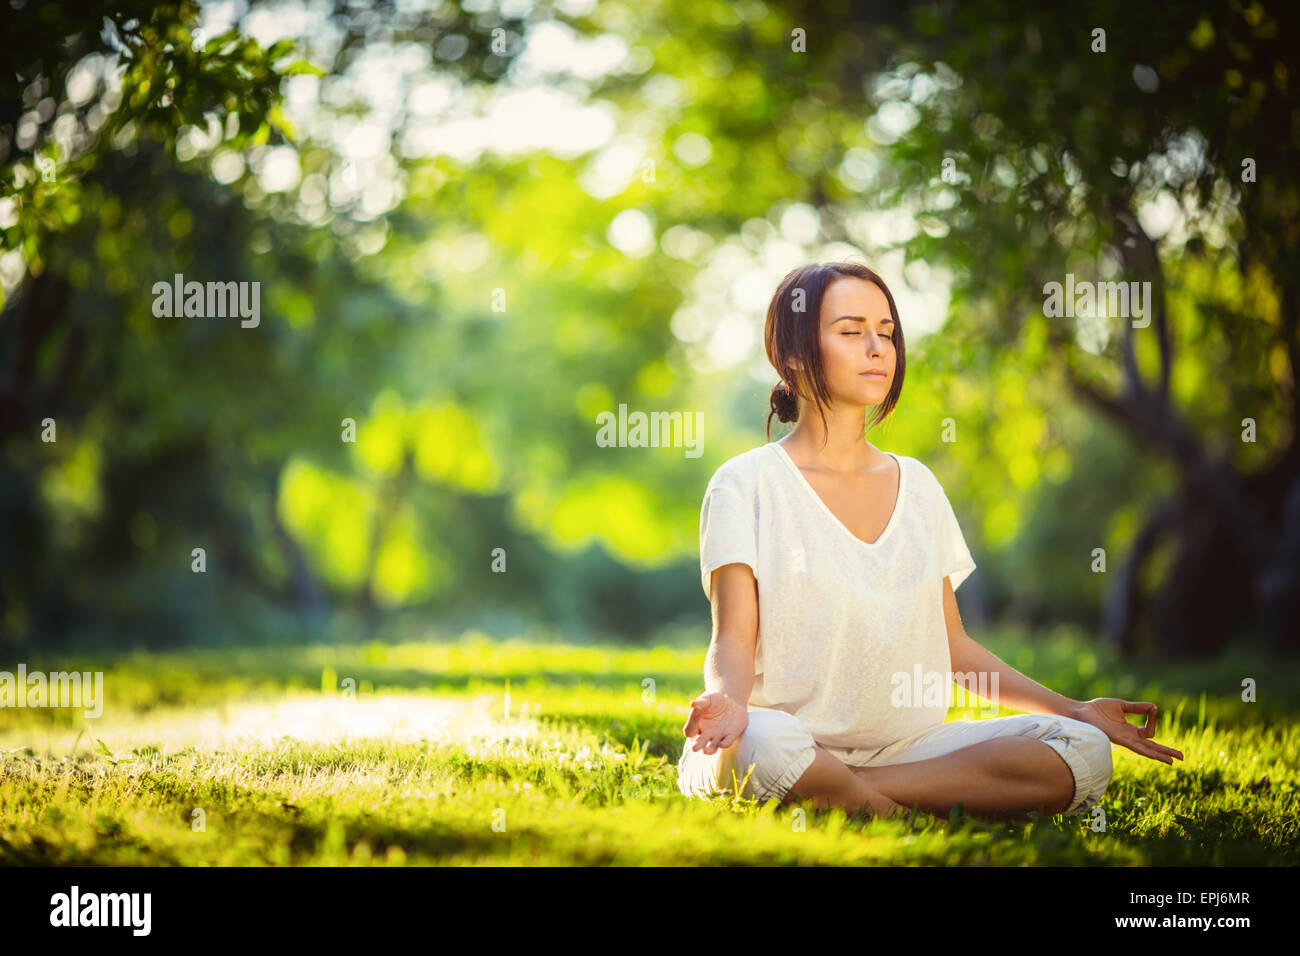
(856, 330)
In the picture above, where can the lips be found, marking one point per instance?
(878, 373)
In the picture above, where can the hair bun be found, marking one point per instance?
(784, 403)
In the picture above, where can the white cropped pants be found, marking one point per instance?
(778, 748)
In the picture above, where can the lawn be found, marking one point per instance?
(461, 750)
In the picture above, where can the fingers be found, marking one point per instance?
(697, 712)
(1148, 728)
(710, 743)
(1146, 750)
(1168, 750)
(703, 737)
(713, 740)
(693, 721)
(1153, 750)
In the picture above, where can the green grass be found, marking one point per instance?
(423, 765)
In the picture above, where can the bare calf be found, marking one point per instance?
(1004, 777)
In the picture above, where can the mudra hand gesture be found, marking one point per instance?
(1107, 715)
(716, 721)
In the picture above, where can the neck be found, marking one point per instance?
(838, 446)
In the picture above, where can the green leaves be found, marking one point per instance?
(302, 66)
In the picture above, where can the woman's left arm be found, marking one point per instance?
(1013, 688)
(1019, 692)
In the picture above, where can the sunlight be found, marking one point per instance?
(310, 719)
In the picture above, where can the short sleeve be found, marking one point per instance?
(955, 560)
(728, 532)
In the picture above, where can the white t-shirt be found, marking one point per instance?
(838, 617)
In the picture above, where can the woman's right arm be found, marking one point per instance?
(729, 665)
(720, 715)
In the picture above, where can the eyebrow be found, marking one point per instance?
(858, 318)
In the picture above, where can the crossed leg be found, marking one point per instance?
(1005, 776)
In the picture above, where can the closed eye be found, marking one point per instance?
(887, 336)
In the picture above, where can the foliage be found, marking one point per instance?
(947, 141)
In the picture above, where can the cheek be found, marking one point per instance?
(840, 348)
(836, 360)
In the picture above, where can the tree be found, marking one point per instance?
(1029, 145)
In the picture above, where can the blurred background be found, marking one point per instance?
(477, 227)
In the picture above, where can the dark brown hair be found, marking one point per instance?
(795, 333)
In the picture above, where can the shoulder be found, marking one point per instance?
(919, 472)
(740, 473)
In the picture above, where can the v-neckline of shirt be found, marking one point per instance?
(893, 517)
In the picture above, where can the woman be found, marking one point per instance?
(831, 567)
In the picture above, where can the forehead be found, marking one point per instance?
(849, 295)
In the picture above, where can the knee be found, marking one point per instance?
(769, 756)
(774, 751)
(1091, 764)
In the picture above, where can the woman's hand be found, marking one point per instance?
(716, 721)
(1107, 715)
